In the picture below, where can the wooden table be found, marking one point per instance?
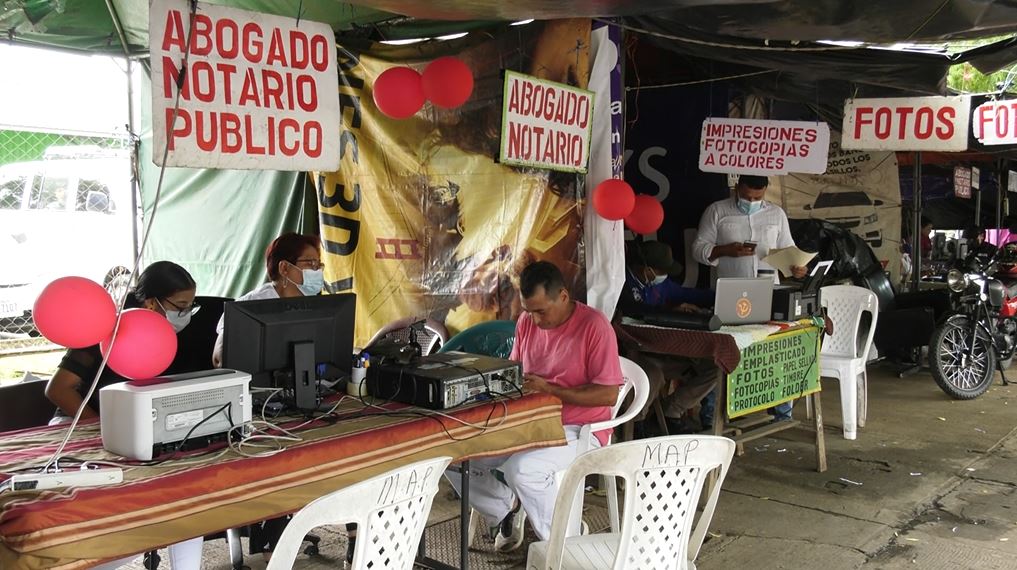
(723, 349)
(164, 504)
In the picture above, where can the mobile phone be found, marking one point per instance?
(749, 244)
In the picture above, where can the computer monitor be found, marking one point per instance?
(281, 342)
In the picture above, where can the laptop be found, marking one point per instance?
(743, 301)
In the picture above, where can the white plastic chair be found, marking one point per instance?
(390, 511)
(635, 382)
(845, 353)
(663, 477)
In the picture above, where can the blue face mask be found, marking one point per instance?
(314, 281)
(749, 207)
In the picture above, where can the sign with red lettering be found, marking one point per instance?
(907, 123)
(258, 91)
(995, 122)
(751, 146)
(545, 124)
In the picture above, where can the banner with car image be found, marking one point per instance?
(420, 219)
(860, 191)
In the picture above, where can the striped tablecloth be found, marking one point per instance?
(180, 499)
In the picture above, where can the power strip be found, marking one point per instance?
(78, 478)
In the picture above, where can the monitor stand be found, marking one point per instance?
(305, 378)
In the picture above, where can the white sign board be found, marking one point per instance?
(545, 124)
(976, 178)
(995, 122)
(752, 146)
(907, 123)
(1011, 181)
(259, 92)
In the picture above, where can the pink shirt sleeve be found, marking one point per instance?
(602, 364)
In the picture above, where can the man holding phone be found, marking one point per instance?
(737, 233)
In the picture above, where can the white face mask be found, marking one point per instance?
(314, 281)
(749, 206)
(658, 279)
(176, 321)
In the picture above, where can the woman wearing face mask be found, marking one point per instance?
(736, 234)
(293, 262)
(163, 287)
(168, 289)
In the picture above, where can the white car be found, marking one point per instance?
(62, 217)
(850, 209)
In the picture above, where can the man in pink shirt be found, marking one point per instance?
(568, 350)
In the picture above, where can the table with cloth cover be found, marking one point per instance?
(725, 347)
(162, 504)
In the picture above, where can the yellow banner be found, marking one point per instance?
(420, 220)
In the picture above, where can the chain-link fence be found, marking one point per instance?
(65, 209)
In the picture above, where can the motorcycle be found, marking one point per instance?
(980, 335)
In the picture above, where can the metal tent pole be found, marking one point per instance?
(916, 229)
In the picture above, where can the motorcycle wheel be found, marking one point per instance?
(960, 371)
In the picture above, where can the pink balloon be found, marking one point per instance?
(647, 215)
(144, 347)
(448, 82)
(398, 92)
(613, 199)
(74, 312)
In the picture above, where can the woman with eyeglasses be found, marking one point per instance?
(293, 263)
(163, 287)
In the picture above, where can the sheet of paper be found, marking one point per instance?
(784, 258)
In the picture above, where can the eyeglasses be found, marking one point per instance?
(314, 264)
(182, 311)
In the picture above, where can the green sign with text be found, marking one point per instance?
(778, 369)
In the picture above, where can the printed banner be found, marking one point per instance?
(545, 124)
(778, 369)
(859, 192)
(995, 122)
(907, 123)
(420, 211)
(259, 91)
(752, 146)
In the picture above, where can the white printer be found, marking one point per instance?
(142, 418)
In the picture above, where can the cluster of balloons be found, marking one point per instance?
(77, 313)
(399, 92)
(614, 199)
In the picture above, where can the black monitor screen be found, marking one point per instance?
(269, 339)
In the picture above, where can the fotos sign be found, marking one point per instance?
(750, 146)
(545, 124)
(259, 91)
(907, 123)
(995, 122)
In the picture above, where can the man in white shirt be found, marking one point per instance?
(735, 235)
(729, 227)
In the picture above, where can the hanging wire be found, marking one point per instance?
(701, 81)
(723, 45)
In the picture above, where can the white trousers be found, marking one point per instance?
(184, 555)
(530, 476)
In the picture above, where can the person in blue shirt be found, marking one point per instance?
(649, 288)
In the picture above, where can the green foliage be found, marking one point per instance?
(964, 78)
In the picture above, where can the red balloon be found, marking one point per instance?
(613, 199)
(74, 312)
(144, 347)
(398, 92)
(646, 216)
(448, 82)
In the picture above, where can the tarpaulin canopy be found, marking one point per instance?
(89, 24)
